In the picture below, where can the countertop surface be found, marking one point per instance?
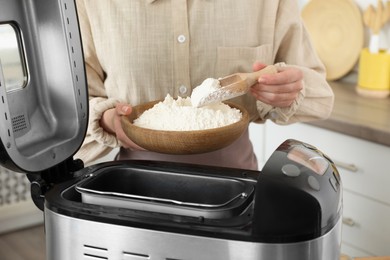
(358, 116)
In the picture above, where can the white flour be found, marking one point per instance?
(180, 115)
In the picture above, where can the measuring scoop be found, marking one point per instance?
(217, 90)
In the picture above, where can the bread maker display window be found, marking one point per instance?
(309, 159)
(11, 58)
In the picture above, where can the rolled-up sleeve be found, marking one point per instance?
(293, 48)
(97, 142)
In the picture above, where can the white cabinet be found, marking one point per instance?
(365, 171)
(366, 225)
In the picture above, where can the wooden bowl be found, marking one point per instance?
(183, 142)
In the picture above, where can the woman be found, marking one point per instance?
(141, 50)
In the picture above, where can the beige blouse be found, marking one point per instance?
(141, 50)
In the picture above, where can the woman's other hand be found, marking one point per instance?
(280, 89)
(111, 123)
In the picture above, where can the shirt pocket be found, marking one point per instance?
(240, 59)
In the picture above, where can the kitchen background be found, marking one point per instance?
(361, 154)
(363, 5)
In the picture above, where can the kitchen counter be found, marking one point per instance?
(344, 257)
(354, 115)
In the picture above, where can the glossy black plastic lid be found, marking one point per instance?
(43, 90)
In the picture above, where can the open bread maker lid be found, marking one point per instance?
(43, 89)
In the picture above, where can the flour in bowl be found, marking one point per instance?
(180, 115)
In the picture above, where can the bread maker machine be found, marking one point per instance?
(136, 210)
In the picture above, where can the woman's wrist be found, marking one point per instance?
(107, 121)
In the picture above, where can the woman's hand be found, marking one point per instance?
(280, 89)
(111, 123)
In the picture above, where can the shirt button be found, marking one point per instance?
(182, 89)
(274, 115)
(181, 38)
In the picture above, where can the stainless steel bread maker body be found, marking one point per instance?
(144, 209)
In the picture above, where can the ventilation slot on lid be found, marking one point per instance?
(20, 125)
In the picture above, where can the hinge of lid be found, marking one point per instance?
(45, 180)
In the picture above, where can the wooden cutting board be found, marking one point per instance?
(337, 32)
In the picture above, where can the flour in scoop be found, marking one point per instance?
(202, 93)
(179, 115)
